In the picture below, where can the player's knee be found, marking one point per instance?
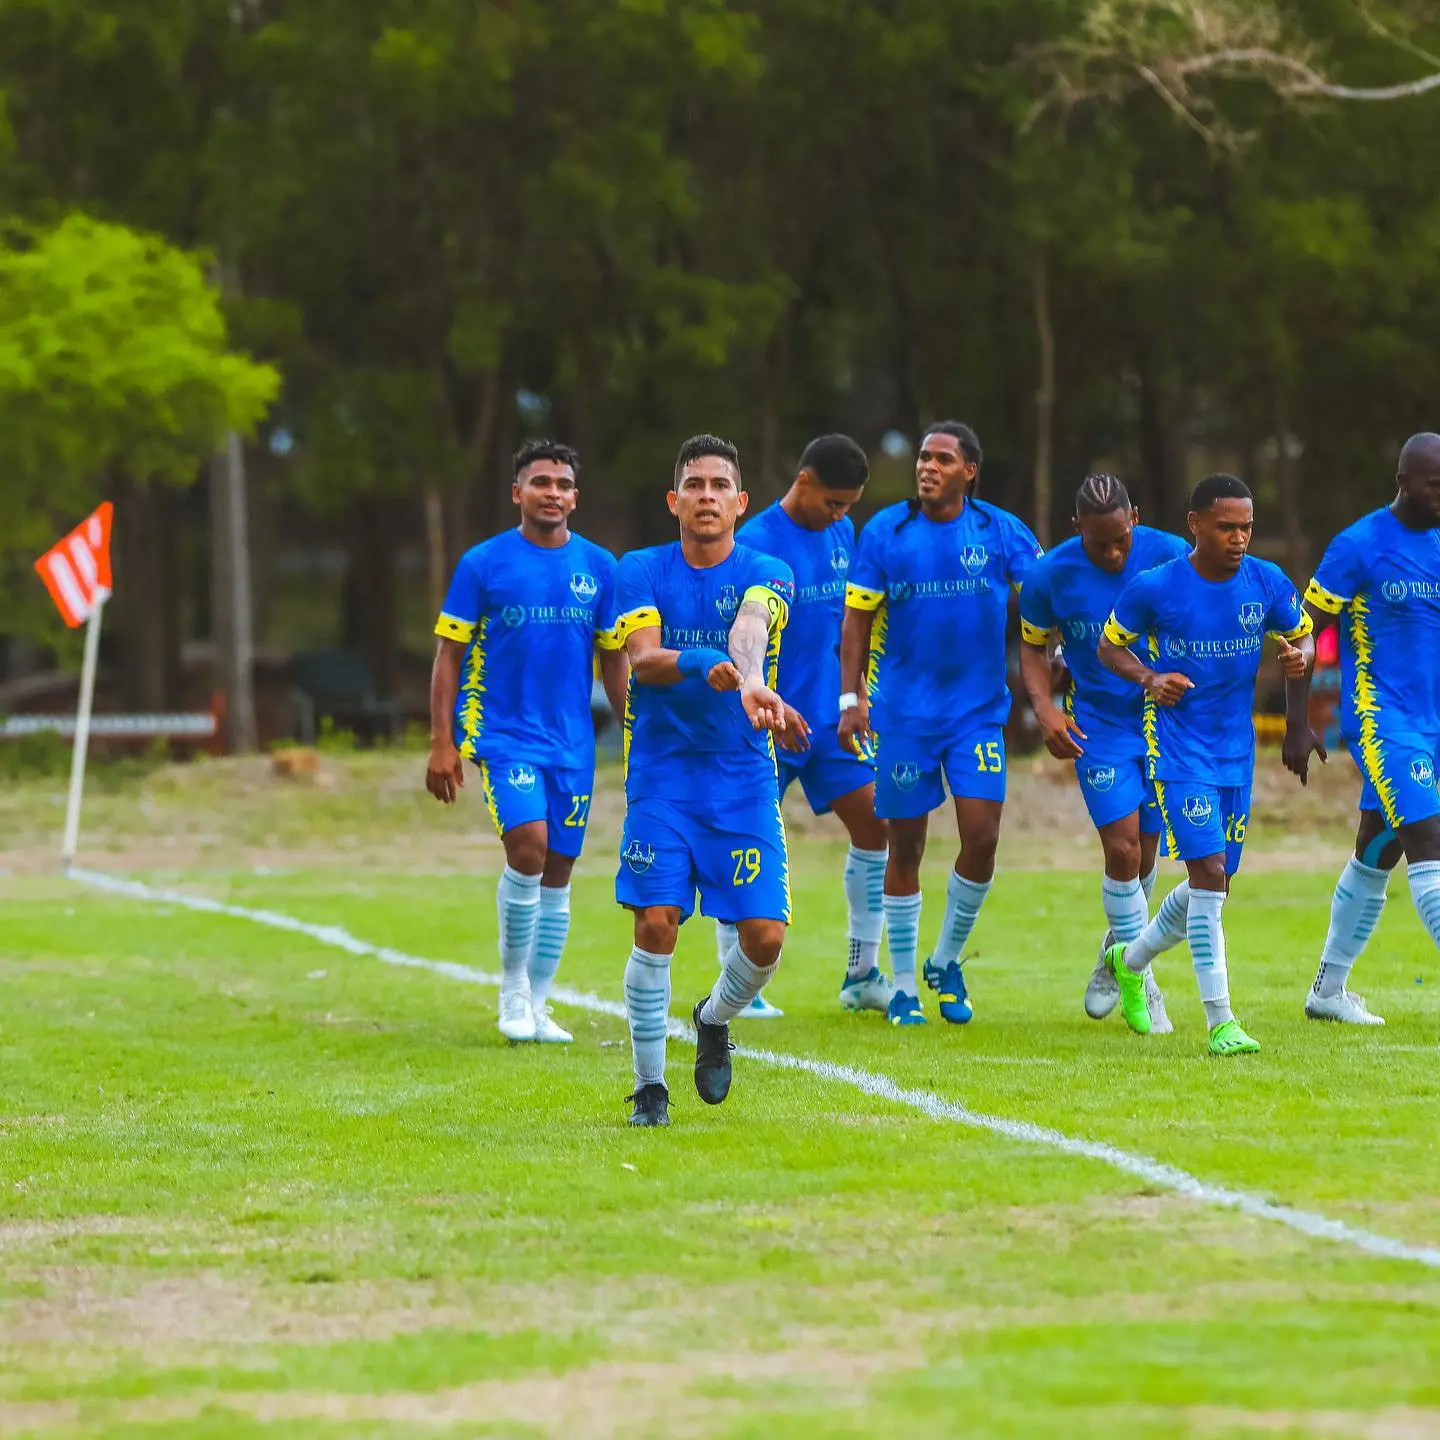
(1122, 857)
(557, 869)
(525, 849)
(907, 849)
(1208, 874)
(762, 941)
(657, 929)
(1422, 840)
(980, 839)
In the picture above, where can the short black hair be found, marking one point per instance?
(1424, 446)
(1218, 487)
(1101, 493)
(698, 446)
(959, 430)
(837, 462)
(540, 449)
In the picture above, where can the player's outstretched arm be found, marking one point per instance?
(855, 629)
(749, 644)
(1297, 660)
(1057, 729)
(445, 770)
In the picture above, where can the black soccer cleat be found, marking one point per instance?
(652, 1105)
(712, 1058)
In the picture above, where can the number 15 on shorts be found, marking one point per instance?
(747, 866)
(988, 757)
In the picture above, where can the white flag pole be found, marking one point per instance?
(82, 729)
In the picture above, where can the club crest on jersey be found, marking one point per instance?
(727, 602)
(1252, 616)
(521, 778)
(1197, 809)
(1100, 777)
(906, 774)
(1175, 647)
(1422, 772)
(638, 857)
(974, 559)
(840, 561)
(513, 615)
(1394, 591)
(584, 587)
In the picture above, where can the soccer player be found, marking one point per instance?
(1207, 616)
(810, 530)
(1381, 577)
(510, 691)
(1071, 591)
(922, 659)
(701, 620)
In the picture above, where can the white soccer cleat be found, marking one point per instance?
(1102, 994)
(547, 1032)
(869, 992)
(517, 1023)
(1347, 1008)
(760, 1009)
(1155, 1003)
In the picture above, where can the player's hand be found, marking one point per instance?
(1301, 742)
(796, 736)
(1058, 730)
(1168, 689)
(444, 772)
(764, 707)
(854, 732)
(1292, 661)
(724, 677)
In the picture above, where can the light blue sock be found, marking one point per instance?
(727, 937)
(1206, 935)
(1167, 929)
(1147, 883)
(902, 923)
(963, 899)
(517, 898)
(740, 982)
(550, 932)
(864, 898)
(1354, 913)
(1125, 908)
(647, 1007)
(1425, 890)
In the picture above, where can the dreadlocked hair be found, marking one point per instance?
(1100, 494)
(970, 448)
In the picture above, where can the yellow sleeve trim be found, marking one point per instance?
(447, 627)
(778, 609)
(1116, 633)
(609, 639)
(1033, 634)
(1323, 599)
(1305, 627)
(857, 597)
(645, 618)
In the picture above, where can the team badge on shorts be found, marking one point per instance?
(1252, 616)
(1422, 772)
(638, 857)
(1197, 809)
(521, 778)
(584, 587)
(1100, 777)
(906, 774)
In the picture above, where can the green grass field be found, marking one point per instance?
(251, 1183)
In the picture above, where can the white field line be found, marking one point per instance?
(868, 1082)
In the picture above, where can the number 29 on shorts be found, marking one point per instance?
(747, 866)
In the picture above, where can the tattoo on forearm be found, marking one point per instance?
(749, 640)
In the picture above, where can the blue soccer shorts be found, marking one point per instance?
(1114, 789)
(1399, 776)
(1203, 820)
(826, 771)
(733, 853)
(517, 793)
(908, 771)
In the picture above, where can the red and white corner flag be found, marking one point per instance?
(76, 570)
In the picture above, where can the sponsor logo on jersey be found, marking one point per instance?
(900, 590)
(1197, 809)
(513, 615)
(521, 778)
(1422, 771)
(727, 602)
(638, 857)
(584, 587)
(1394, 591)
(1252, 616)
(1100, 777)
(1175, 647)
(906, 774)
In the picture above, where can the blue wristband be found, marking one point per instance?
(697, 664)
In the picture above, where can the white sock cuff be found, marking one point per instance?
(650, 958)
(869, 857)
(520, 880)
(1123, 888)
(1423, 870)
(1368, 875)
(742, 963)
(975, 890)
(1203, 900)
(554, 897)
(903, 902)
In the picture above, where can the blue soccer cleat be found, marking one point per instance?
(949, 983)
(905, 1010)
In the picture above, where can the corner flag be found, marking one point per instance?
(76, 570)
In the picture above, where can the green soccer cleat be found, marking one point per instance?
(1227, 1038)
(1133, 1005)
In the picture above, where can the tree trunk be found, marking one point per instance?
(146, 599)
(234, 615)
(1044, 397)
(369, 622)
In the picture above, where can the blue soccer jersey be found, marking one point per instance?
(940, 593)
(1213, 633)
(687, 741)
(1383, 580)
(820, 561)
(1066, 591)
(529, 618)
